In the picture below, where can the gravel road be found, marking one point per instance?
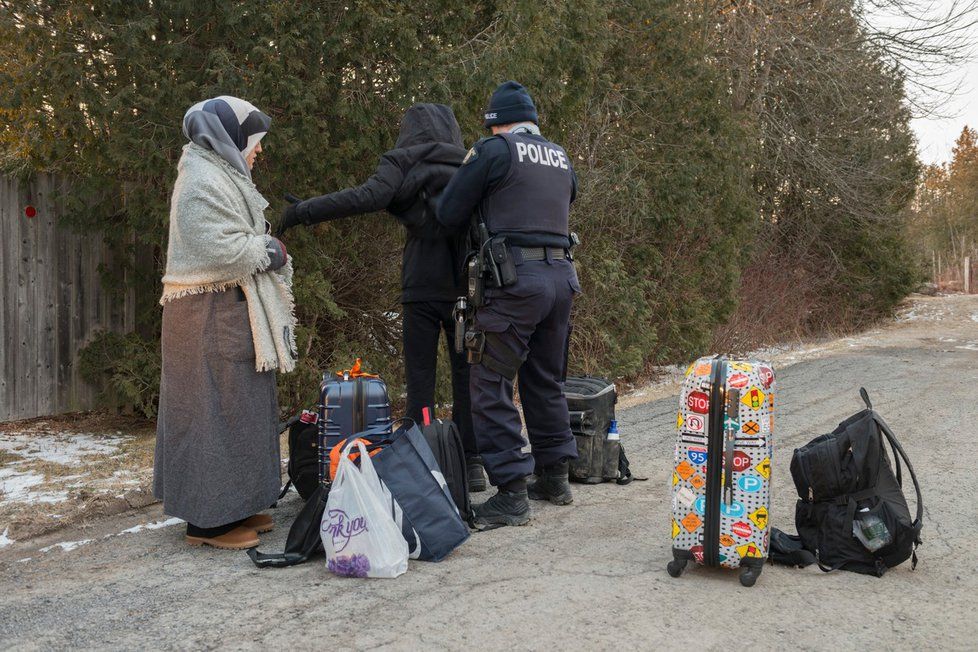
(590, 576)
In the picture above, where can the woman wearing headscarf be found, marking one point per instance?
(228, 325)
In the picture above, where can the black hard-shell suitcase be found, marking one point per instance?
(349, 403)
(591, 406)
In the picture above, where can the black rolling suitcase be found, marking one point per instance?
(349, 403)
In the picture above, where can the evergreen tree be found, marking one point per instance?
(696, 159)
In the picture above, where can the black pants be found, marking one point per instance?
(423, 324)
(531, 320)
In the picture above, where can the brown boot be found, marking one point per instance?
(239, 538)
(260, 523)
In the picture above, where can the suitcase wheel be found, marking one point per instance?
(749, 575)
(676, 566)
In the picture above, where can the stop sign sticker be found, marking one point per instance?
(738, 381)
(698, 402)
(741, 461)
(767, 376)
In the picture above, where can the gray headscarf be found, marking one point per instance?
(227, 125)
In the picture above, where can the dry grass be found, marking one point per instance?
(6, 457)
(108, 483)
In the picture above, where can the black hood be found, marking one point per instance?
(423, 124)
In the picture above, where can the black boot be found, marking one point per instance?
(477, 476)
(552, 484)
(505, 508)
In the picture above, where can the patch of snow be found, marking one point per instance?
(974, 316)
(21, 561)
(125, 477)
(4, 539)
(66, 546)
(970, 346)
(156, 525)
(60, 448)
(17, 486)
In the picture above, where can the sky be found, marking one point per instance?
(936, 134)
(937, 131)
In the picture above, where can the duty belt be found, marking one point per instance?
(541, 253)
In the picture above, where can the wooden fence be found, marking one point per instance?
(52, 302)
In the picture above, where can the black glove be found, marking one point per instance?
(290, 215)
(278, 255)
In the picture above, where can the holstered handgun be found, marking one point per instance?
(575, 241)
(475, 344)
(502, 260)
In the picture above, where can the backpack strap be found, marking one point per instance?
(789, 550)
(624, 470)
(898, 453)
(285, 489)
(865, 396)
(902, 453)
(896, 458)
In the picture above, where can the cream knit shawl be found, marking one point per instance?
(217, 242)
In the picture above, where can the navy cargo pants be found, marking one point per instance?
(531, 321)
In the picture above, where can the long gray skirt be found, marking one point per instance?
(217, 448)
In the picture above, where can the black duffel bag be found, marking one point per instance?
(851, 513)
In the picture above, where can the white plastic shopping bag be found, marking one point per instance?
(359, 534)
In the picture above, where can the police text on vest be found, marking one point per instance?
(541, 155)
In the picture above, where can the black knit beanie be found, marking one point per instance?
(510, 103)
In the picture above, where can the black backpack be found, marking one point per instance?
(591, 409)
(445, 442)
(303, 464)
(848, 491)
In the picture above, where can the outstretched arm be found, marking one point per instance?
(375, 194)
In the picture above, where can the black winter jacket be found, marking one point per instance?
(408, 178)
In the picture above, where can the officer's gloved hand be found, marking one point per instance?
(290, 215)
(277, 253)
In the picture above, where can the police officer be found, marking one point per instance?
(521, 186)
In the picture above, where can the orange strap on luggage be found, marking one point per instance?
(355, 372)
(337, 451)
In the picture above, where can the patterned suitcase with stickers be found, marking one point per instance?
(721, 490)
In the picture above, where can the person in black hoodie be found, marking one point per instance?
(406, 183)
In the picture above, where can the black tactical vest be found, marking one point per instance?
(534, 197)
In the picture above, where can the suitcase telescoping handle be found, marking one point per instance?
(730, 430)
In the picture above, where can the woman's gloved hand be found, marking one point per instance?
(290, 215)
(277, 253)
